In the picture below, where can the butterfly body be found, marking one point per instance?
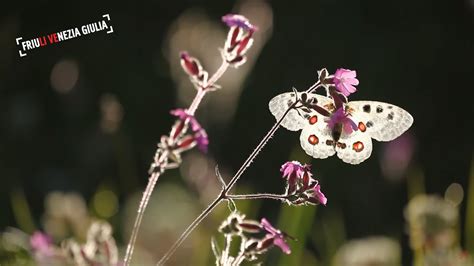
(351, 137)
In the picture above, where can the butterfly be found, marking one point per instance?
(369, 120)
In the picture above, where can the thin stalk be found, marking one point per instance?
(190, 228)
(258, 196)
(223, 195)
(203, 90)
(141, 210)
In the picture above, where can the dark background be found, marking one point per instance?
(415, 54)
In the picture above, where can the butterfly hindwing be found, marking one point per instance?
(354, 148)
(316, 138)
(381, 121)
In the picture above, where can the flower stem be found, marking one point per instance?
(190, 228)
(258, 196)
(203, 90)
(223, 195)
(141, 208)
(163, 159)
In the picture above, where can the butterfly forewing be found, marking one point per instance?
(278, 106)
(381, 121)
(295, 119)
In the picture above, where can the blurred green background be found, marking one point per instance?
(85, 115)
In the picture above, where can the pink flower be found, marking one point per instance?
(345, 80)
(274, 235)
(341, 117)
(318, 196)
(294, 172)
(42, 243)
(294, 168)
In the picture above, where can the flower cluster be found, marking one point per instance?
(239, 39)
(99, 249)
(256, 238)
(301, 188)
(185, 134)
(338, 86)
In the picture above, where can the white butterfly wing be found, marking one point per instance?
(381, 121)
(316, 139)
(354, 148)
(294, 120)
(278, 106)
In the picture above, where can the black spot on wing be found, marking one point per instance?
(369, 124)
(379, 109)
(390, 116)
(366, 108)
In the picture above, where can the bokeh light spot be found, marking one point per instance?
(105, 203)
(454, 194)
(64, 76)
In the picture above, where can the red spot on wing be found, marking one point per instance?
(362, 127)
(313, 120)
(313, 140)
(358, 146)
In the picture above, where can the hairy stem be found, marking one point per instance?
(223, 195)
(258, 196)
(141, 209)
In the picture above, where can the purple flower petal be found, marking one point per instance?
(340, 117)
(267, 226)
(202, 140)
(277, 235)
(319, 195)
(181, 113)
(280, 242)
(234, 20)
